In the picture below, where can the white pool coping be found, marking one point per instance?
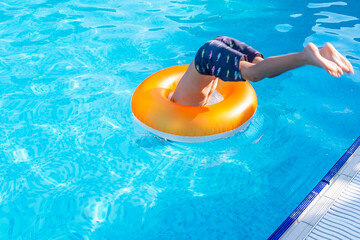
(309, 219)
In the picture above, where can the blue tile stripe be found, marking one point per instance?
(315, 192)
(355, 145)
(336, 167)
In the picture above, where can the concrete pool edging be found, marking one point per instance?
(324, 182)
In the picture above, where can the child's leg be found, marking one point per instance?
(274, 66)
(270, 67)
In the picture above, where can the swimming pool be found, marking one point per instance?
(74, 163)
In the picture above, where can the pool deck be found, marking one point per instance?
(334, 210)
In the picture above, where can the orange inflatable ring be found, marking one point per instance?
(156, 113)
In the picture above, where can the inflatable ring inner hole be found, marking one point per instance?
(216, 97)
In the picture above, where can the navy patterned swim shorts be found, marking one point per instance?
(221, 58)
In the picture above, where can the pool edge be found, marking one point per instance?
(325, 181)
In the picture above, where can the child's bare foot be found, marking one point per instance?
(313, 57)
(330, 53)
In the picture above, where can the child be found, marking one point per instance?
(231, 60)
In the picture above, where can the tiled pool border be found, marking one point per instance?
(315, 192)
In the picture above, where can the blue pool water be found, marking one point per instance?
(75, 165)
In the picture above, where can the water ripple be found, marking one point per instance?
(334, 17)
(324, 5)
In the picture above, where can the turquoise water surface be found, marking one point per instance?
(75, 165)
